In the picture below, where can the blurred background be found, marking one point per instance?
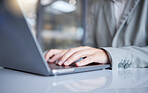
(56, 23)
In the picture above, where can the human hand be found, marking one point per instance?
(55, 54)
(68, 56)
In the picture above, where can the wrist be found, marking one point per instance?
(107, 56)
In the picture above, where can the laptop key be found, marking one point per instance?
(55, 66)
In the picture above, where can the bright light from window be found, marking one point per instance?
(63, 6)
(72, 2)
(45, 2)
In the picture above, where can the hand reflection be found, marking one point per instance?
(87, 85)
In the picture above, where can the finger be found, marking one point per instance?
(69, 53)
(54, 58)
(77, 55)
(57, 56)
(50, 53)
(86, 61)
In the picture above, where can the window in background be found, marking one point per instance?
(61, 24)
(29, 9)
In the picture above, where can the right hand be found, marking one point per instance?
(55, 54)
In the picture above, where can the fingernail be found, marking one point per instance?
(78, 64)
(66, 63)
(60, 63)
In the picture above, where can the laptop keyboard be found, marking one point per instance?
(55, 66)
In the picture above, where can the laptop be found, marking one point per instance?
(19, 49)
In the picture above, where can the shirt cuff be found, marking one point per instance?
(119, 58)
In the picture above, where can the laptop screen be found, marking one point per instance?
(18, 47)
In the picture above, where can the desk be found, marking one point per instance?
(103, 81)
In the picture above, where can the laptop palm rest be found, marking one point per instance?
(72, 69)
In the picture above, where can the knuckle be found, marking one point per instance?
(86, 46)
(96, 54)
(47, 54)
(65, 50)
(56, 56)
(72, 49)
(81, 47)
(51, 50)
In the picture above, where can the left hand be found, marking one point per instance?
(91, 55)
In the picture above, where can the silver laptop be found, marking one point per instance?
(19, 49)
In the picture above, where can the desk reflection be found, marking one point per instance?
(106, 81)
